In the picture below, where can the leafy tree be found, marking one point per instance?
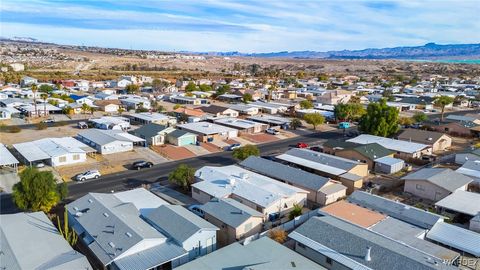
(183, 176)
(85, 108)
(380, 119)
(45, 88)
(247, 97)
(36, 191)
(420, 117)
(132, 88)
(306, 104)
(44, 97)
(121, 110)
(442, 102)
(314, 119)
(159, 85)
(279, 235)
(406, 121)
(176, 106)
(295, 123)
(349, 111)
(191, 86)
(205, 88)
(222, 89)
(296, 211)
(244, 152)
(41, 126)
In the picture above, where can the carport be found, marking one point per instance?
(7, 159)
(31, 153)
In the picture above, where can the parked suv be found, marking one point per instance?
(272, 131)
(196, 210)
(142, 164)
(233, 146)
(93, 174)
(82, 125)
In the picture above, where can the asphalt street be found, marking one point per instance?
(131, 179)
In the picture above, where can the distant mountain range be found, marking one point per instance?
(427, 51)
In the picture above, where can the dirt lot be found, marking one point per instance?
(27, 135)
(173, 152)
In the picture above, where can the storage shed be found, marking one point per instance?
(388, 165)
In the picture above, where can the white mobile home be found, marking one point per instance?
(110, 141)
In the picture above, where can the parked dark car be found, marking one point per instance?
(142, 164)
(316, 149)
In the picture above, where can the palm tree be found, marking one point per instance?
(85, 108)
(272, 88)
(44, 97)
(34, 91)
(441, 102)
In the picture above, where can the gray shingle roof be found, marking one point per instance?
(285, 173)
(420, 136)
(398, 210)
(148, 130)
(30, 241)
(177, 222)
(179, 133)
(261, 254)
(109, 220)
(347, 243)
(230, 211)
(442, 177)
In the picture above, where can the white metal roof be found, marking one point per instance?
(456, 237)
(6, 158)
(50, 147)
(205, 128)
(389, 160)
(153, 116)
(462, 202)
(236, 122)
(395, 145)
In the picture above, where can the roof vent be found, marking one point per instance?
(90, 201)
(368, 256)
(111, 244)
(128, 234)
(430, 139)
(231, 181)
(75, 208)
(78, 214)
(105, 214)
(244, 175)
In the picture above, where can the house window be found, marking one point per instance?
(259, 209)
(62, 159)
(76, 157)
(329, 260)
(419, 187)
(248, 227)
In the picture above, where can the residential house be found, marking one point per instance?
(263, 253)
(388, 165)
(235, 220)
(187, 112)
(404, 150)
(114, 228)
(106, 96)
(321, 190)
(454, 127)
(82, 99)
(471, 168)
(460, 202)
(469, 155)
(243, 126)
(334, 97)
(435, 183)
(154, 134)
(187, 100)
(181, 138)
(366, 153)
(398, 210)
(53, 151)
(267, 196)
(438, 141)
(269, 107)
(218, 111)
(31, 241)
(135, 102)
(122, 83)
(207, 132)
(109, 106)
(28, 81)
(194, 234)
(152, 117)
(356, 247)
(456, 237)
(110, 122)
(109, 141)
(349, 172)
(245, 109)
(271, 120)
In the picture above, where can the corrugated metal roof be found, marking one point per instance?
(442, 177)
(205, 128)
(462, 202)
(285, 173)
(102, 137)
(395, 145)
(349, 243)
(456, 237)
(318, 161)
(6, 158)
(178, 222)
(30, 151)
(389, 160)
(230, 211)
(410, 214)
(152, 257)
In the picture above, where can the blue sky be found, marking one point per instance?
(243, 25)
